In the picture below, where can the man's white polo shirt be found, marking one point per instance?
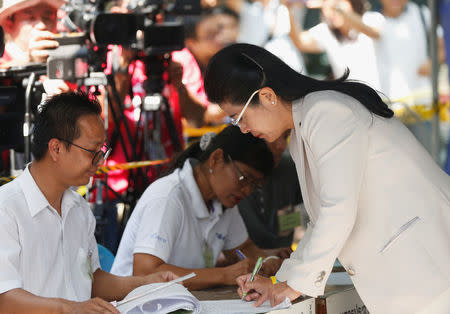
(40, 251)
(172, 222)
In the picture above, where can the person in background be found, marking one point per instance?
(48, 252)
(376, 199)
(206, 34)
(30, 27)
(404, 74)
(264, 209)
(184, 220)
(266, 23)
(343, 35)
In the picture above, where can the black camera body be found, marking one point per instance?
(138, 30)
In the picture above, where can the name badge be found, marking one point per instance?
(289, 218)
(88, 266)
(208, 255)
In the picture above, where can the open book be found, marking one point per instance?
(171, 296)
(160, 298)
(168, 299)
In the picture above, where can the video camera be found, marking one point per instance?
(95, 30)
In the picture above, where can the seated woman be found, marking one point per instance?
(184, 220)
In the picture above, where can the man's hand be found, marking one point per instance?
(95, 305)
(40, 41)
(162, 276)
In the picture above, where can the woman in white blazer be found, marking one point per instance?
(376, 199)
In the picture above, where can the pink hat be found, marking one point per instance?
(8, 7)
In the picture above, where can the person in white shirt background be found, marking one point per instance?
(342, 35)
(184, 220)
(400, 36)
(376, 199)
(266, 23)
(48, 253)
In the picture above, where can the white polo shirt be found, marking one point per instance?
(172, 222)
(40, 251)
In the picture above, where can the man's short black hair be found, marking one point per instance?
(58, 118)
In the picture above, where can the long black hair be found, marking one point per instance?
(245, 148)
(240, 69)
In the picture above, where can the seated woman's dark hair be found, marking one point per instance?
(238, 70)
(245, 148)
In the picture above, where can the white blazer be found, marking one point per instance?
(377, 201)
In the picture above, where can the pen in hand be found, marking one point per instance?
(240, 254)
(254, 273)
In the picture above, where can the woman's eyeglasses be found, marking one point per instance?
(246, 181)
(103, 153)
(236, 122)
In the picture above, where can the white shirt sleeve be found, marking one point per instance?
(373, 19)
(338, 140)
(323, 36)
(237, 233)
(159, 227)
(9, 253)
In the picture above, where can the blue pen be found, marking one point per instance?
(240, 254)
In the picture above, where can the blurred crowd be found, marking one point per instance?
(384, 44)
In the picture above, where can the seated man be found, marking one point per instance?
(48, 253)
(265, 208)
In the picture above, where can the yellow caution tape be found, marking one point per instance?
(82, 190)
(199, 132)
(413, 108)
(4, 180)
(106, 169)
(131, 165)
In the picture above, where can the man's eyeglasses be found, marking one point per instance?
(245, 181)
(103, 153)
(236, 121)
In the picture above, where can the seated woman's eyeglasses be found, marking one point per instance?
(103, 153)
(246, 181)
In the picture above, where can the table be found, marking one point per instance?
(336, 300)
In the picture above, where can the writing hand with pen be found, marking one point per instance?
(259, 289)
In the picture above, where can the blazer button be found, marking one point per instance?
(351, 271)
(318, 283)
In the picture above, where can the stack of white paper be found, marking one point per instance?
(239, 306)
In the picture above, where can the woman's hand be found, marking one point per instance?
(262, 289)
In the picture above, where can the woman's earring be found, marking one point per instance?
(210, 170)
(273, 103)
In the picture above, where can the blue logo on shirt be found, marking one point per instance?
(158, 237)
(220, 236)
